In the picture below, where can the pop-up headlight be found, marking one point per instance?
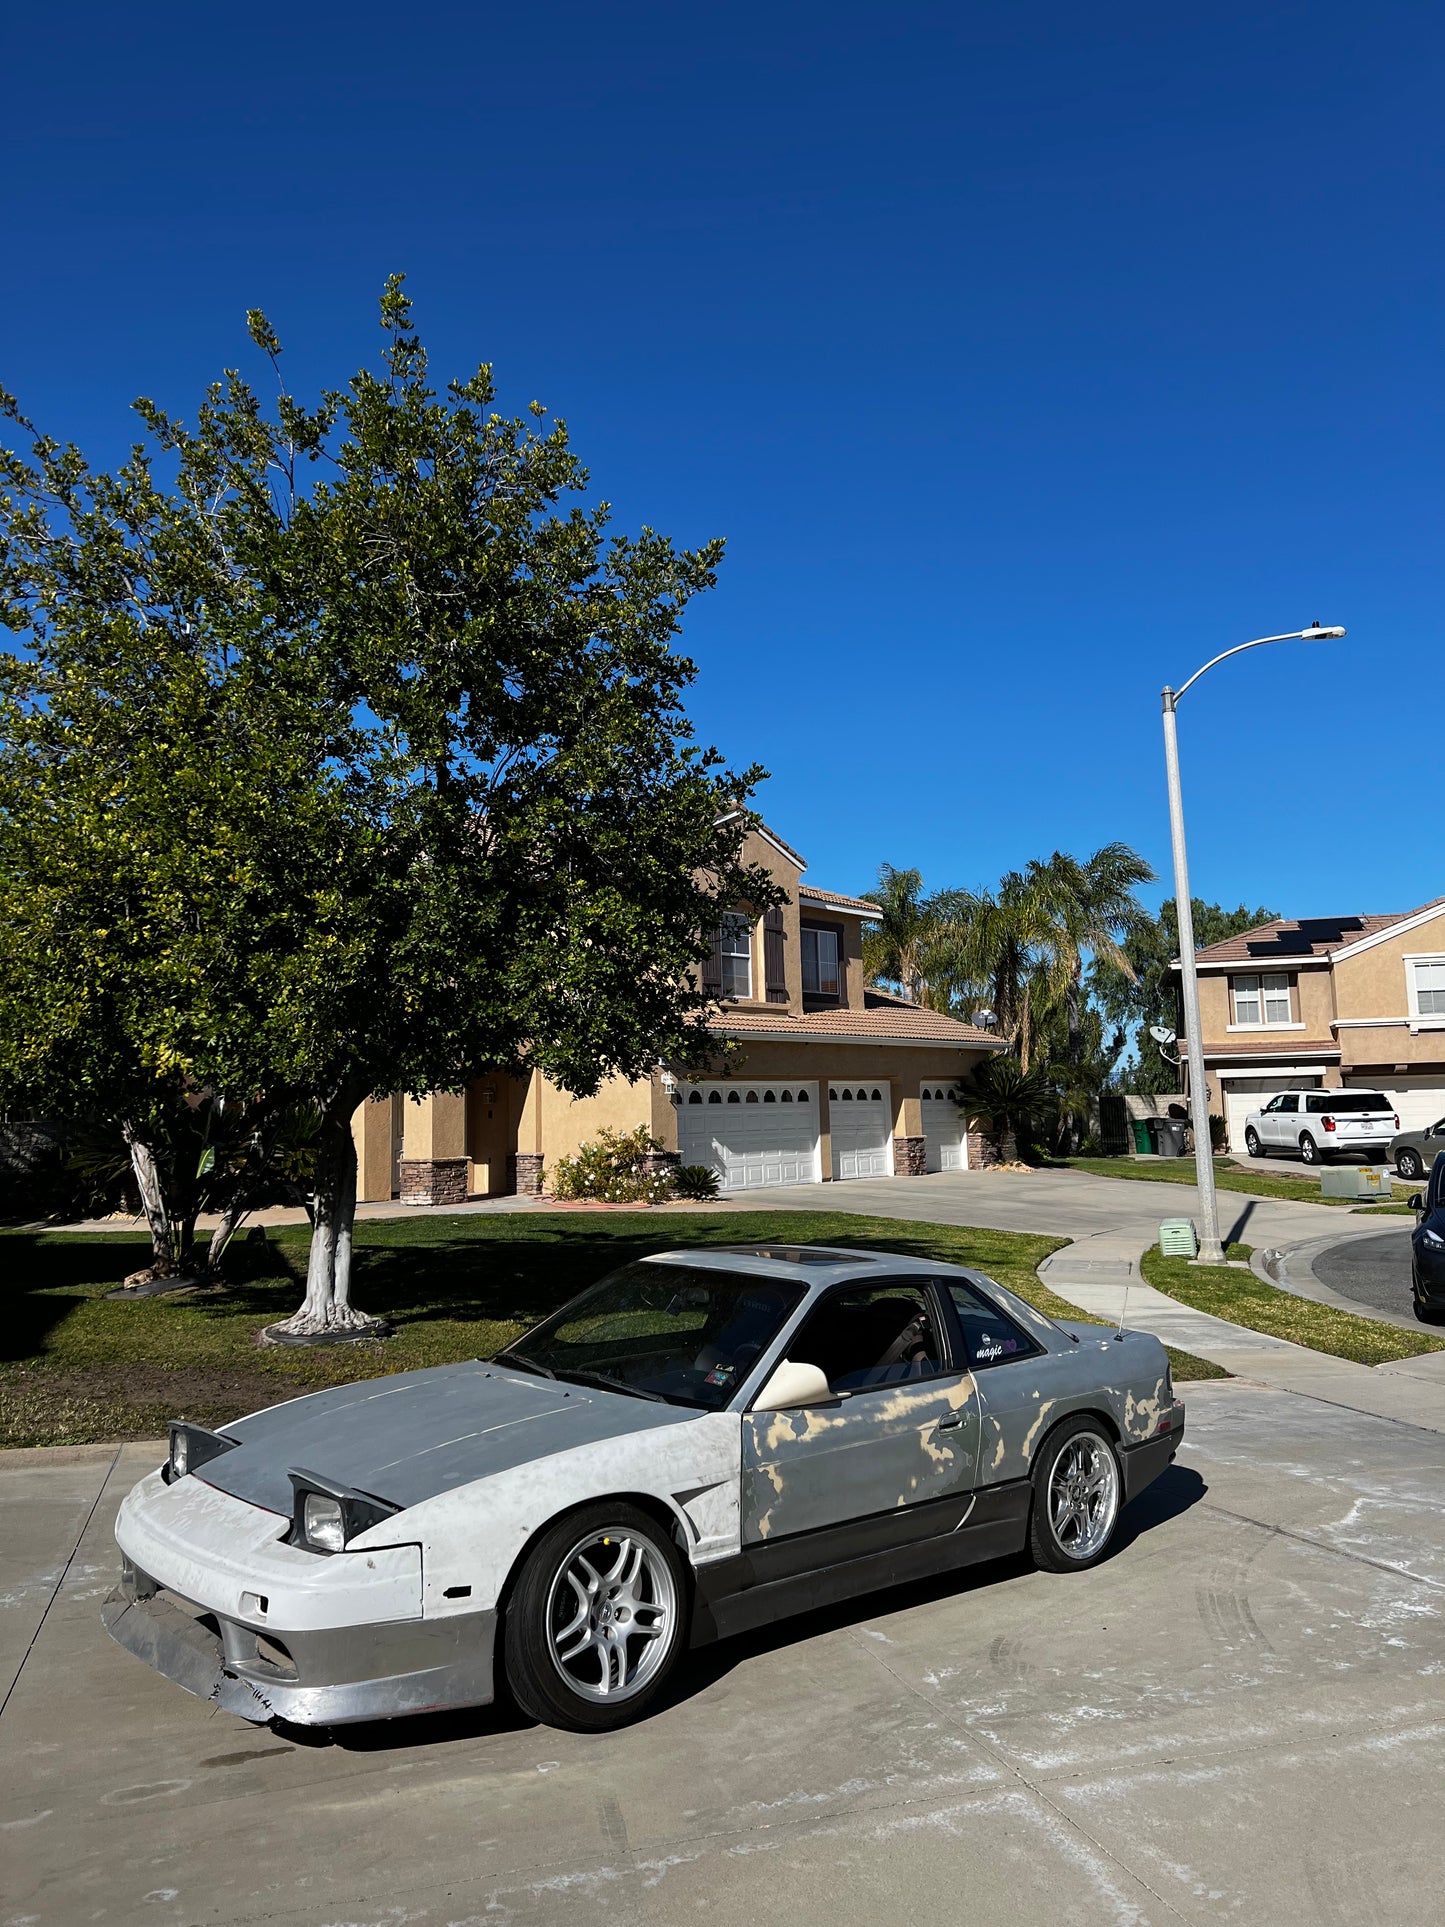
(191, 1447)
(326, 1517)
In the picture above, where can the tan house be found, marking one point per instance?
(1327, 1001)
(827, 1079)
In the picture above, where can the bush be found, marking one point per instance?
(1091, 1147)
(698, 1181)
(613, 1169)
(1216, 1132)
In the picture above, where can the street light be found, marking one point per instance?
(1211, 1252)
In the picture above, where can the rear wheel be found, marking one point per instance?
(596, 1622)
(1078, 1490)
(1309, 1151)
(1252, 1144)
(1410, 1164)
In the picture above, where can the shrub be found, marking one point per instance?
(1217, 1132)
(613, 1170)
(1091, 1147)
(695, 1181)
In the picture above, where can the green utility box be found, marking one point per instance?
(1142, 1145)
(1356, 1181)
(1178, 1238)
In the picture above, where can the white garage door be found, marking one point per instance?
(1420, 1101)
(945, 1128)
(860, 1119)
(752, 1135)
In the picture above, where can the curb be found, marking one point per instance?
(1291, 1268)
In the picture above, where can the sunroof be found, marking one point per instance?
(798, 1254)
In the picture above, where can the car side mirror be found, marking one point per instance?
(792, 1383)
(1416, 1200)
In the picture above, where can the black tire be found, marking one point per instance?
(1252, 1144)
(1049, 1545)
(547, 1604)
(1410, 1164)
(1309, 1151)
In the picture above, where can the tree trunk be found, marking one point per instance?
(327, 1305)
(1008, 1144)
(153, 1202)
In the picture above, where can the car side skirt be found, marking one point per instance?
(768, 1582)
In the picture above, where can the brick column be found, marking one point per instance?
(434, 1180)
(524, 1174)
(981, 1152)
(910, 1157)
(435, 1168)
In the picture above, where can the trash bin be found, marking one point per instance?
(1169, 1137)
(1142, 1146)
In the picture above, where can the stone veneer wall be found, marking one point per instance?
(434, 1180)
(524, 1174)
(981, 1151)
(910, 1157)
(657, 1161)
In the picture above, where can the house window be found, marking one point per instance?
(820, 962)
(1427, 986)
(1263, 999)
(737, 956)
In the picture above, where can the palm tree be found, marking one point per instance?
(1012, 1098)
(893, 947)
(999, 942)
(1092, 910)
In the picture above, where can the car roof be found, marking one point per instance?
(810, 1265)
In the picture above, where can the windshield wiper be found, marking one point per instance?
(527, 1364)
(607, 1384)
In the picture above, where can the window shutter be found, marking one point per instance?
(712, 966)
(774, 973)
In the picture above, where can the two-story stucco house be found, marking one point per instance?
(1327, 1001)
(827, 1079)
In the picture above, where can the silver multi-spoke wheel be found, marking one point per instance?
(612, 1613)
(1083, 1496)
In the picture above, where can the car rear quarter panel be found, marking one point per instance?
(1126, 1379)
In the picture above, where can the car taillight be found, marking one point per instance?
(1397, 1120)
(1328, 1122)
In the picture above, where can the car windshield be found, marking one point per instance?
(685, 1333)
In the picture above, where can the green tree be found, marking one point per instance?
(1148, 992)
(893, 948)
(1017, 1102)
(367, 766)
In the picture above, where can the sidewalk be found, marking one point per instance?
(1101, 1275)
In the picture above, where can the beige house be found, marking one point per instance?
(1327, 1001)
(828, 1079)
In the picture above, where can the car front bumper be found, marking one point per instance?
(317, 1678)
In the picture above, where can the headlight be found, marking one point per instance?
(191, 1447)
(326, 1517)
(1432, 1237)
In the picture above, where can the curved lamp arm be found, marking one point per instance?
(1313, 634)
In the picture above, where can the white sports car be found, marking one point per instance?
(703, 1442)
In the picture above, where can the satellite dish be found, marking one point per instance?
(1161, 1034)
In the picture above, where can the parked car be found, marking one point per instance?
(1413, 1152)
(702, 1443)
(1314, 1124)
(1427, 1241)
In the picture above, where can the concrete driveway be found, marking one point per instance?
(1238, 1718)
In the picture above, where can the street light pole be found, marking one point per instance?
(1211, 1252)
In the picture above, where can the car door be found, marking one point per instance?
(890, 1459)
(1284, 1124)
(1267, 1120)
(1020, 1382)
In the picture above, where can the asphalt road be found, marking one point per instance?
(1240, 1717)
(1373, 1271)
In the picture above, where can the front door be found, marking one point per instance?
(891, 1458)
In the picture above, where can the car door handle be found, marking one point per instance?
(947, 1424)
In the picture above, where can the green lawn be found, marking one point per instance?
(1247, 1300)
(75, 1367)
(1227, 1176)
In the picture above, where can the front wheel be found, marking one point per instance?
(1309, 1151)
(1078, 1491)
(596, 1622)
(1410, 1164)
(1252, 1144)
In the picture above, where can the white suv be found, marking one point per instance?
(1314, 1123)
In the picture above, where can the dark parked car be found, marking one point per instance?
(1412, 1152)
(1427, 1272)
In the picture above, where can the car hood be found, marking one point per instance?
(411, 1436)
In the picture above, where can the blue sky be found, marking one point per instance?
(1026, 357)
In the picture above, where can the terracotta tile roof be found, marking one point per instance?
(1289, 939)
(1286, 1046)
(884, 1020)
(860, 904)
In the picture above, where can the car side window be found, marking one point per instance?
(1289, 1103)
(990, 1336)
(872, 1335)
